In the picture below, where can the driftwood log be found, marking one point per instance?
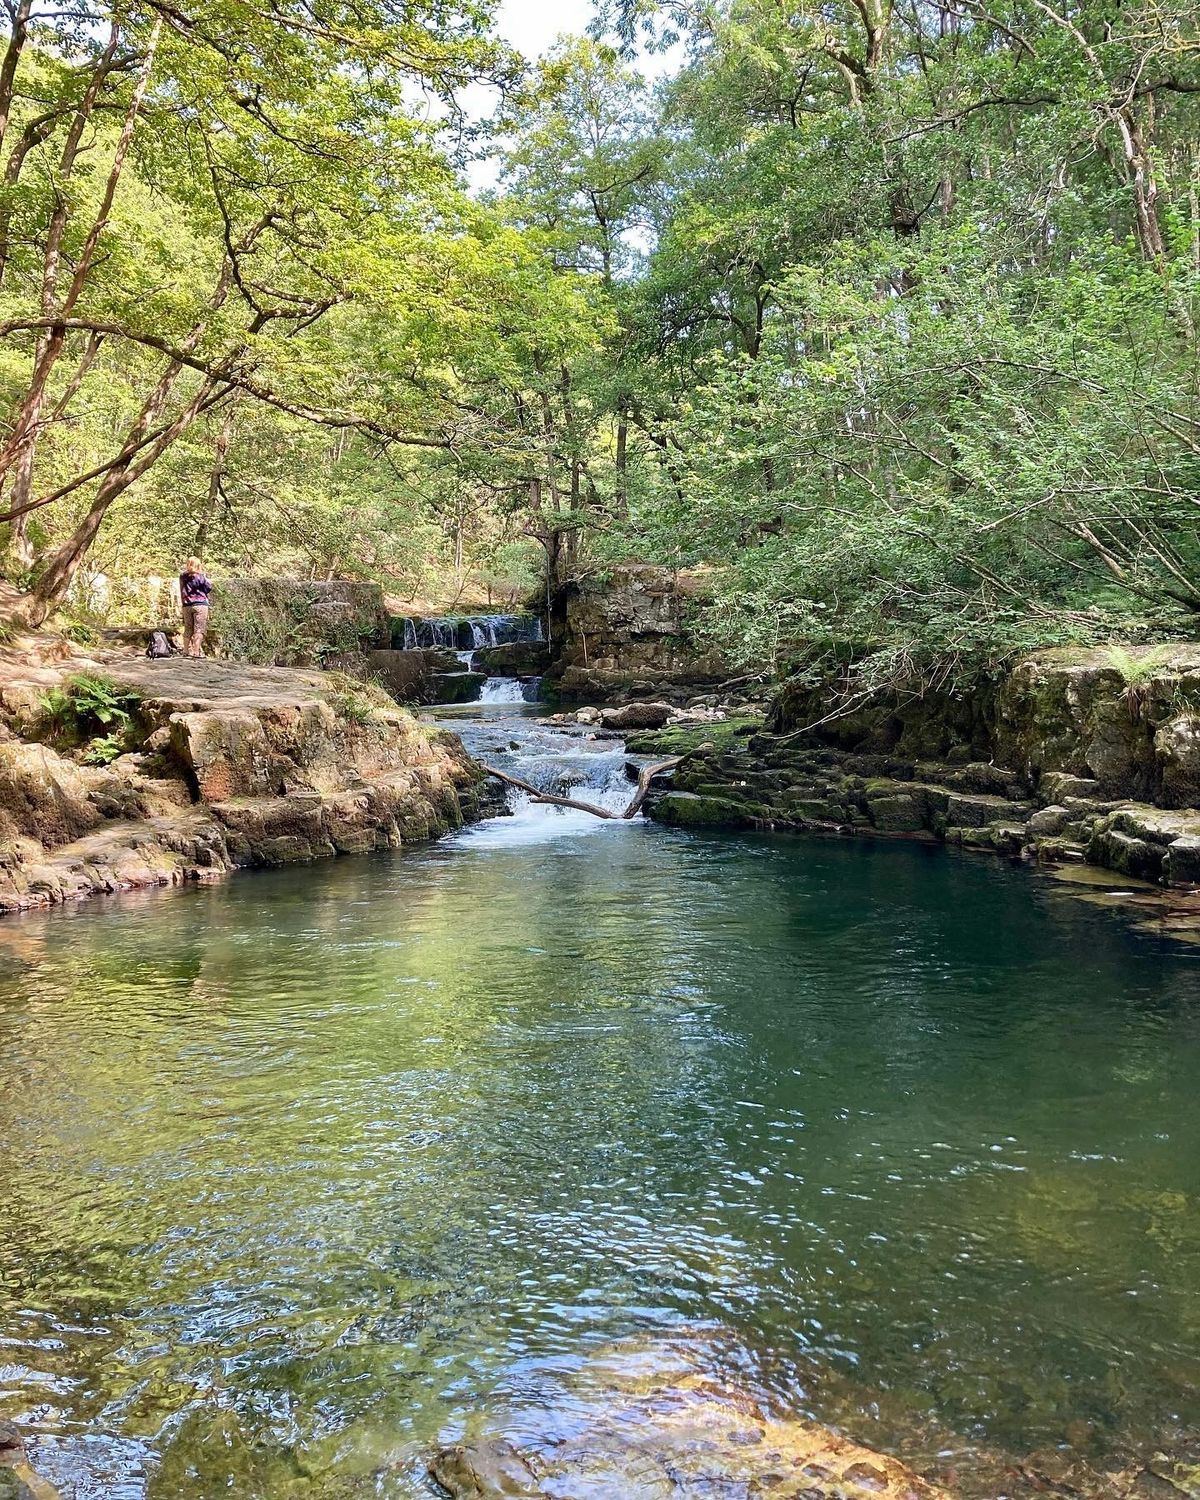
(645, 776)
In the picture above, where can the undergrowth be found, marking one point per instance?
(93, 714)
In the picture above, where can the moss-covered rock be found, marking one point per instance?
(515, 659)
(681, 739)
(692, 810)
(895, 808)
(455, 687)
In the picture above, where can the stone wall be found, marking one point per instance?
(297, 622)
(630, 634)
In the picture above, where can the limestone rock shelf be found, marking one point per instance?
(235, 766)
(772, 782)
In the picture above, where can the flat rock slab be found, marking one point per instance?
(196, 686)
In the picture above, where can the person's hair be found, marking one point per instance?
(191, 565)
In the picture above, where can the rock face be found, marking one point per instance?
(775, 783)
(1083, 755)
(425, 675)
(1126, 723)
(630, 635)
(515, 659)
(1129, 723)
(236, 766)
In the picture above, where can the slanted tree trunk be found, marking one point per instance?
(645, 776)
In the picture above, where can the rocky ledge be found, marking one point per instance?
(1090, 756)
(204, 767)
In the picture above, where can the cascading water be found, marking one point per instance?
(464, 632)
(504, 732)
(467, 634)
(502, 690)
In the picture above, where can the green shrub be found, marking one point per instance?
(92, 712)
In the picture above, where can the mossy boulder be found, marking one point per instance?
(456, 687)
(682, 739)
(515, 659)
(692, 810)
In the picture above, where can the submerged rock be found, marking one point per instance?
(17, 1479)
(489, 1468)
(661, 1433)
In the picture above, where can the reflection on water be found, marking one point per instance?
(310, 1169)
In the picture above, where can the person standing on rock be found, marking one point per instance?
(194, 589)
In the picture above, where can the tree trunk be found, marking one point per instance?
(28, 417)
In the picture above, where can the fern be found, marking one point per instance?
(1136, 670)
(94, 712)
(1137, 673)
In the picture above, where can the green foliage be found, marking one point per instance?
(286, 622)
(105, 748)
(80, 631)
(93, 713)
(354, 708)
(1136, 670)
(885, 317)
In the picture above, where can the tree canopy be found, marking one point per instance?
(884, 313)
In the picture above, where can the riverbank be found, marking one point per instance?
(118, 772)
(1075, 758)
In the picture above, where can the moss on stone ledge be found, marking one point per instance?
(681, 739)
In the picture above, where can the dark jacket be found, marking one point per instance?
(194, 588)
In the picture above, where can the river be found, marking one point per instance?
(307, 1170)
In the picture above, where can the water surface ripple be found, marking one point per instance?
(307, 1169)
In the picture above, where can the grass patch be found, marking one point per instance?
(354, 708)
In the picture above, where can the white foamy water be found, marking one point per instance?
(561, 761)
(502, 690)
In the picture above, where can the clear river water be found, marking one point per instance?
(311, 1170)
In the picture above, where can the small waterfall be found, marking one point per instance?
(464, 632)
(502, 690)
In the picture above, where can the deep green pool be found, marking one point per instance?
(304, 1169)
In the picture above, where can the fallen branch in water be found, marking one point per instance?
(645, 776)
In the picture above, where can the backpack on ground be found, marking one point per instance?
(160, 644)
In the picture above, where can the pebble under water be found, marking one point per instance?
(311, 1170)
